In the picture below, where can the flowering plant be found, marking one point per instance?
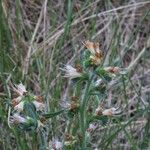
(87, 104)
(87, 107)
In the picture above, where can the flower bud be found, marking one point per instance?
(96, 56)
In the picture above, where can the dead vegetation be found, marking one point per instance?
(38, 37)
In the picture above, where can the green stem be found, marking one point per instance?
(42, 140)
(83, 112)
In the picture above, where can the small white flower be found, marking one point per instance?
(16, 118)
(21, 89)
(98, 82)
(65, 104)
(19, 107)
(39, 106)
(109, 112)
(92, 127)
(58, 145)
(71, 72)
(55, 145)
(17, 103)
(113, 70)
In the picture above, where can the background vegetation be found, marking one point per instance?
(37, 37)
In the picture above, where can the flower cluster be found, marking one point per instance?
(85, 110)
(90, 79)
(26, 108)
(96, 55)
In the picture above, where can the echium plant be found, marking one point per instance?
(90, 80)
(28, 114)
(86, 106)
(26, 109)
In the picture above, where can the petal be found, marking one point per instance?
(90, 46)
(20, 106)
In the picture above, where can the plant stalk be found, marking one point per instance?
(83, 112)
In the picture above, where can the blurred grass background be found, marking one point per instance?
(38, 37)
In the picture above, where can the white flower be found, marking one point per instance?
(16, 102)
(55, 145)
(21, 89)
(39, 106)
(98, 82)
(19, 107)
(58, 145)
(110, 112)
(16, 118)
(71, 72)
(92, 127)
(114, 70)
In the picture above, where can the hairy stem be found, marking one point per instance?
(83, 111)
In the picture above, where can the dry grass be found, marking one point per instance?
(38, 37)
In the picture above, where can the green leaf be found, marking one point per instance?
(50, 115)
(30, 110)
(103, 74)
(84, 77)
(123, 71)
(28, 98)
(86, 54)
(103, 119)
(31, 124)
(86, 63)
(71, 114)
